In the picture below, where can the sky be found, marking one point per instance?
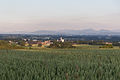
(33, 15)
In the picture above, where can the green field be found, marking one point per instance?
(60, 64)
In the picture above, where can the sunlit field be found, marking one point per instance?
(60, 64)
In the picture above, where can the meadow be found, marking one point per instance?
(60, 64)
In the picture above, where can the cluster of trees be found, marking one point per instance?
(21, 43)
(7, 45)
(107, 46)
(99, 42)
(61, 45)
(116, 43)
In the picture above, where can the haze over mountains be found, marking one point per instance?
(70, 32)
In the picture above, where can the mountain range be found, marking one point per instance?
(77, 32)
(70, 32)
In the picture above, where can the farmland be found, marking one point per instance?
(60, 64)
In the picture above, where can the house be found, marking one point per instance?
(46, 43)
(26, 39)
(11, 42)
(61, 40)
(33, 44)
(38, 43)
(108, 43)
(26, 44)
(35, 40)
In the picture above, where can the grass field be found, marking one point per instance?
(60, 64)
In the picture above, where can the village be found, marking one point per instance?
(35, 42)
(58, 43)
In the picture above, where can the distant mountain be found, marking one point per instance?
(46, 32)
(91, 32)
(76, 32)
(17, 32)
(79, 32)
(72, 32)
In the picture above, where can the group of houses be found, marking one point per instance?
(36, 43)
(39, 43)
(32, 43)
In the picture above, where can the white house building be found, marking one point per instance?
(61, 40)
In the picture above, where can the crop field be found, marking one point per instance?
(60, 64)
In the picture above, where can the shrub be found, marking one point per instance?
(61, 45)
(107, 46)
(6, 45)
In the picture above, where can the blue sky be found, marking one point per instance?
(32, 15)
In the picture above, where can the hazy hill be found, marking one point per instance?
(76, 32)
(69, 32)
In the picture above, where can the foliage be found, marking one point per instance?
(59, 64)
(6, 45)
(21, 43)
(95, 42)
(39, 45)
(61, 45)
(107, 46)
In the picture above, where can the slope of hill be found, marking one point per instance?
(76, 32)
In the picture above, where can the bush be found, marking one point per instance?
(21, 43)
(107, 46)
(61, 45)
(6, 45)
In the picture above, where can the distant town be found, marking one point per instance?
(57, 41)
(35, 42)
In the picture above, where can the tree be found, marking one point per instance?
(107, 46)
(61, 45)
(21, 43)
(39, 45)
(7, 45)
